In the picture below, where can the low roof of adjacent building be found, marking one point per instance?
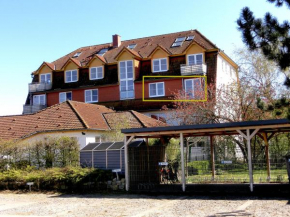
(71, 115)
(143, 49)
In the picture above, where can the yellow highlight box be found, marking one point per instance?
(175, 100)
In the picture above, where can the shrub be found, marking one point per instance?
(199, 167)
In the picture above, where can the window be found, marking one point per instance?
(189, 38)
(126, 80)
(131, 46)
(194, 59)
(71, 76)
(91, 95)
(45, 78)
(39, 100)
(77, 54)
(156, 89)
(193, 88)
(96, 73)
(103, 51)
(160, 65)
(178, 42)
(65, 96)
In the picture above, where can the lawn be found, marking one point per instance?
(260, 176)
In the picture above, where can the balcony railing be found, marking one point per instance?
(199, 69)
(30, 109)
(129, 94)
(35, 87)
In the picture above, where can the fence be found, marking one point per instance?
(236, 172)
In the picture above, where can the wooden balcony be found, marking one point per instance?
(199, 69)
(30, 109)
(35, 87)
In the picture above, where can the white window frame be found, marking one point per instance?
(126, 79)
(192, 93)
(71, 71)
(97, 78)
(46, 80)
(61, 93)
(91, 98)
(159, 63)
(190, 55)
(156, 84)
(39, 100)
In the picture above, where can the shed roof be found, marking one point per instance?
(269, 126)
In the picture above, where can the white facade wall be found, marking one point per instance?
(226, 73)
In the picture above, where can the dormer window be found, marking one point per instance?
(103, 51)
(77, 54)
(194, 59)
(160, 65)
(178, 42)
(45, 78)
(96, 73)
(132, 46)
(71, 76)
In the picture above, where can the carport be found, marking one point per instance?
(263, 128)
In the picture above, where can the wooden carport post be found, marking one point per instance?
(267, 156)
(212, 158)
(127, 140)
(248, 137)
(182, 161)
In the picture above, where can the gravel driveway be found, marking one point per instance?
(37, 204)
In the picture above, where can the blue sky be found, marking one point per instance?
(39, 30)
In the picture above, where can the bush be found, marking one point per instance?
(46, 153)
(70, 178)
(198, 167)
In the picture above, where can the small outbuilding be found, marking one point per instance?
(106, 155)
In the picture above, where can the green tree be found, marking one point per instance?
(268, 35)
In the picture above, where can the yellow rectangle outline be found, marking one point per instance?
(179, 100)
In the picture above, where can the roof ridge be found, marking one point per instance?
(132, 112)
(148, 117)
(78, 114)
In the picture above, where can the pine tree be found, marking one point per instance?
(268, 35)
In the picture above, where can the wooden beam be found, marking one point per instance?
(127, 140)
(212, 158)
(267, 156)
(148, 134)
(182, 161)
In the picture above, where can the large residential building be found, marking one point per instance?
(111, 74)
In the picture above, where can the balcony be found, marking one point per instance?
(199, 69)
(35, 87)
(30, 109)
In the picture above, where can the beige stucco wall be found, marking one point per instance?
(195, 49)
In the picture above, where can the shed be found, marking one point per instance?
(106, 155)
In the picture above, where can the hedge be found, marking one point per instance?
(67, 178)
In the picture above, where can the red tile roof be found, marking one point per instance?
(144, 47)
(69, 115)
(131, 119)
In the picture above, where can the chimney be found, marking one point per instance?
(116, 41)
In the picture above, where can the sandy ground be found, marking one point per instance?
(38, 204)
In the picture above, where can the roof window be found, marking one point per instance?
(132, 46)
(180, 39)
(189, 38)
(77, 54)
(178, 42)
(103, 51)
